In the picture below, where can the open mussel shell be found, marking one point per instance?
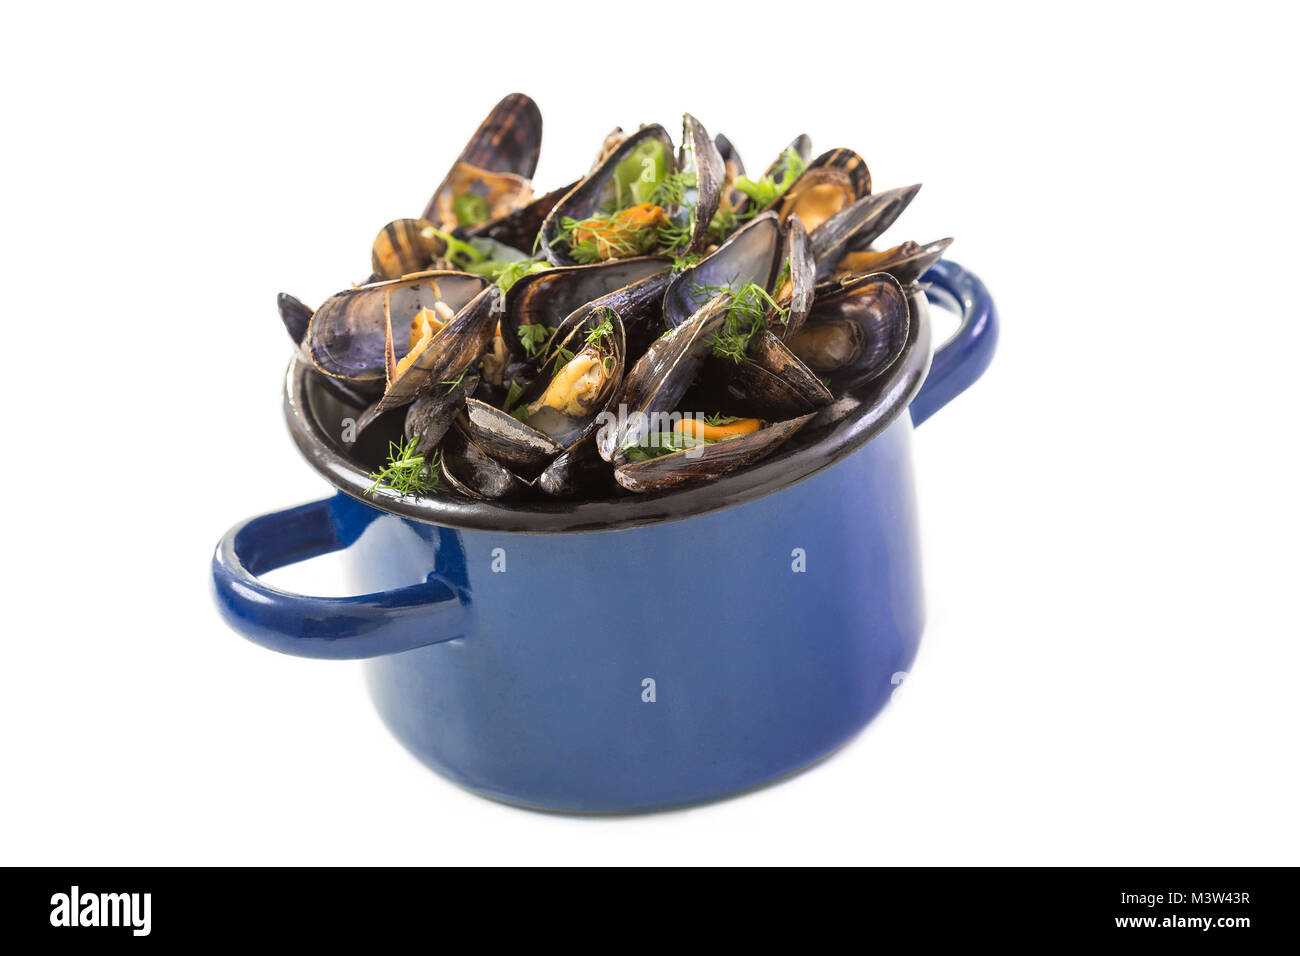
(496, 167)
(707, 462)
(906, 262)
(475, 474)
(547, 298)
(748, 255)
(854, 332)
(733, 166)
(405, 246)
(582, 371)
(833, 181)
(430, 415)
(661, 376)
(640, 308)
(601, 188)
(348, 334)
(519, 229)
(857, 226)
(699, 155)
(771, 384)
(612, 141)
(442, 360)
(795, 282)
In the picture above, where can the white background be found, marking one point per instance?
(1109, 673)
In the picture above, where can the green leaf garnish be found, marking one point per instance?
(469, 209)
(408, 473)
(533, 337)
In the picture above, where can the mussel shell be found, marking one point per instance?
(295, 315)
(773, 384)
(857, 226)
(579, 473)
(572, 335)
(405, 246)
(796, 255)
(430, 415)
(748, 255)
(906, 262)
(548, 297)
(708, 462)
(855, 332)
(474, 474)
(611, 142)
(588, 196)
(347, 337)
(661, 377)
(699, 154)
(639, 306)
(519, 229)
(445, 357)
(507, 142)
(523, 450)
(732, 164)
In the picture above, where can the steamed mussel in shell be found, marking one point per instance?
(662, 321)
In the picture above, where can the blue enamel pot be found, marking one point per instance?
(637, 653)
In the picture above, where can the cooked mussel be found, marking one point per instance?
(537, 303)
(856, 226)
(703, 459)
(348, 334)
(854, 332)
(472, 472)
(641, 200)
(443, 347)
(832, 182)
(492, 177)
(580, 373)
(661, 377)
(906, 262)
(405, 246)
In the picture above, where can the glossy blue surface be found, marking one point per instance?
(627, 670)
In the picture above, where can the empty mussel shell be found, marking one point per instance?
(295, 315)
(855, 332)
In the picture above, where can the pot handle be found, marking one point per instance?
(964, 357)
(343, 628)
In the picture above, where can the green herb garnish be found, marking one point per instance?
(533, 337)
(408, 473)
(746, 314)
(470, 210)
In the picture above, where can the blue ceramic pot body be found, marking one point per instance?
(633, 669)
(664, 665)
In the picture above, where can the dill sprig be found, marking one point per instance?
(745, 317)
(672, 190)
(408, 473)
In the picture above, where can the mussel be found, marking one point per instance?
(854, 332)
(580, 372)
(832, 182)
(493, 175)
(906, 262)
(856, 226)
(443, 347)
(348, 337)
(640, 200)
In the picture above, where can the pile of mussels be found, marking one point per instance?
(662, 321)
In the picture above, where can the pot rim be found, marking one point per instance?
(884, 400)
